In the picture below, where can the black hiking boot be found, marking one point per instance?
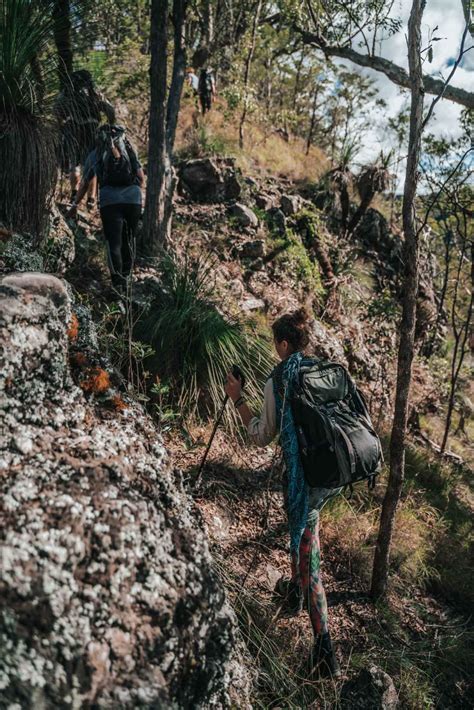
(323, 662)
(290, 595)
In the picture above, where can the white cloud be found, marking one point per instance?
(448, 16)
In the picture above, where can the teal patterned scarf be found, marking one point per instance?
(284, 377)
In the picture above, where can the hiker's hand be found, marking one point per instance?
(233, 387)
(72, 212)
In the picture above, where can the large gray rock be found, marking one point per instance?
(209, 179)
(243, 215)
(108, 596)
(291, 204)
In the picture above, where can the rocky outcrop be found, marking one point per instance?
(209, 180)
(108, 593)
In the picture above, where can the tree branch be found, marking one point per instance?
(395, 73)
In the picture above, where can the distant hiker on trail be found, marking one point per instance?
(115, 164)
(192, 81)
(79, 107)
(206, 89)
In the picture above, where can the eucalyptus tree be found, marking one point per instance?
(356, 31)
(164, 108)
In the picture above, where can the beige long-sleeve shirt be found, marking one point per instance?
(264, 428)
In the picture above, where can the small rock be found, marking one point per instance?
(253, 304)
(278, 220)
(291, 204)
(22, 444)
(371, 689)
(253, 249)
(264, 201)
(244, 215)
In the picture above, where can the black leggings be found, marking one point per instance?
(120, 226)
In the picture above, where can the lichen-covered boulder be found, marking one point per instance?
(108, 595)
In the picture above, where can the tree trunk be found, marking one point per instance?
(312, 123)
(159, 167)
(62, 38)
(461, 335)
(360, 212)
(407, 327)
(164, 110)
(248, 64)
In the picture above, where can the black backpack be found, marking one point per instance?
(205, 82)
(111, 170)
(337, 442)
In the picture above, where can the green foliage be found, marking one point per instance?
(195, 344)
(293, 260)
(383, 304)
(201, 142)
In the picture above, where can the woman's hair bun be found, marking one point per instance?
(293, 327)
(300, 317)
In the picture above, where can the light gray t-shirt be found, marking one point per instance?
(114, 194)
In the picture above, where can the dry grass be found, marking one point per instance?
(264, 153)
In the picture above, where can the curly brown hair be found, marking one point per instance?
(293, 327)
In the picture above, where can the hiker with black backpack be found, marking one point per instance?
(206, 89)
(79, 108)
(328, 443)
(115, 164)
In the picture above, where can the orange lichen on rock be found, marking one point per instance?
(97, 381)
(118, 403)
(73, 330)
(78, 359)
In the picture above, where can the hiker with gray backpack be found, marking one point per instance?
(328, 444)
(115, 164)
(206, 89)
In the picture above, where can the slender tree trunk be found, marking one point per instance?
(248, 64)
(296, 89)
(460, 342)
(312, 123)
(407, 328)
(164, 110)
(159, 167)
(360, 212)
(62, 38)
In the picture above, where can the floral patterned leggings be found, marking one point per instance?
(306, 571)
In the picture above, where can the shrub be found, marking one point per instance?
(195, 343)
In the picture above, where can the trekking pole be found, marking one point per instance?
(238, 374)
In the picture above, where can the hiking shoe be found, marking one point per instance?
(90, 203)
(290, 596)
(323, 661)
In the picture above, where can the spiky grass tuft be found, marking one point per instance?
(196, 344)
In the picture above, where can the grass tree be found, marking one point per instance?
(29, 138)
(371, 180)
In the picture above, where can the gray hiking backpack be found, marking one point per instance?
(337, 442)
